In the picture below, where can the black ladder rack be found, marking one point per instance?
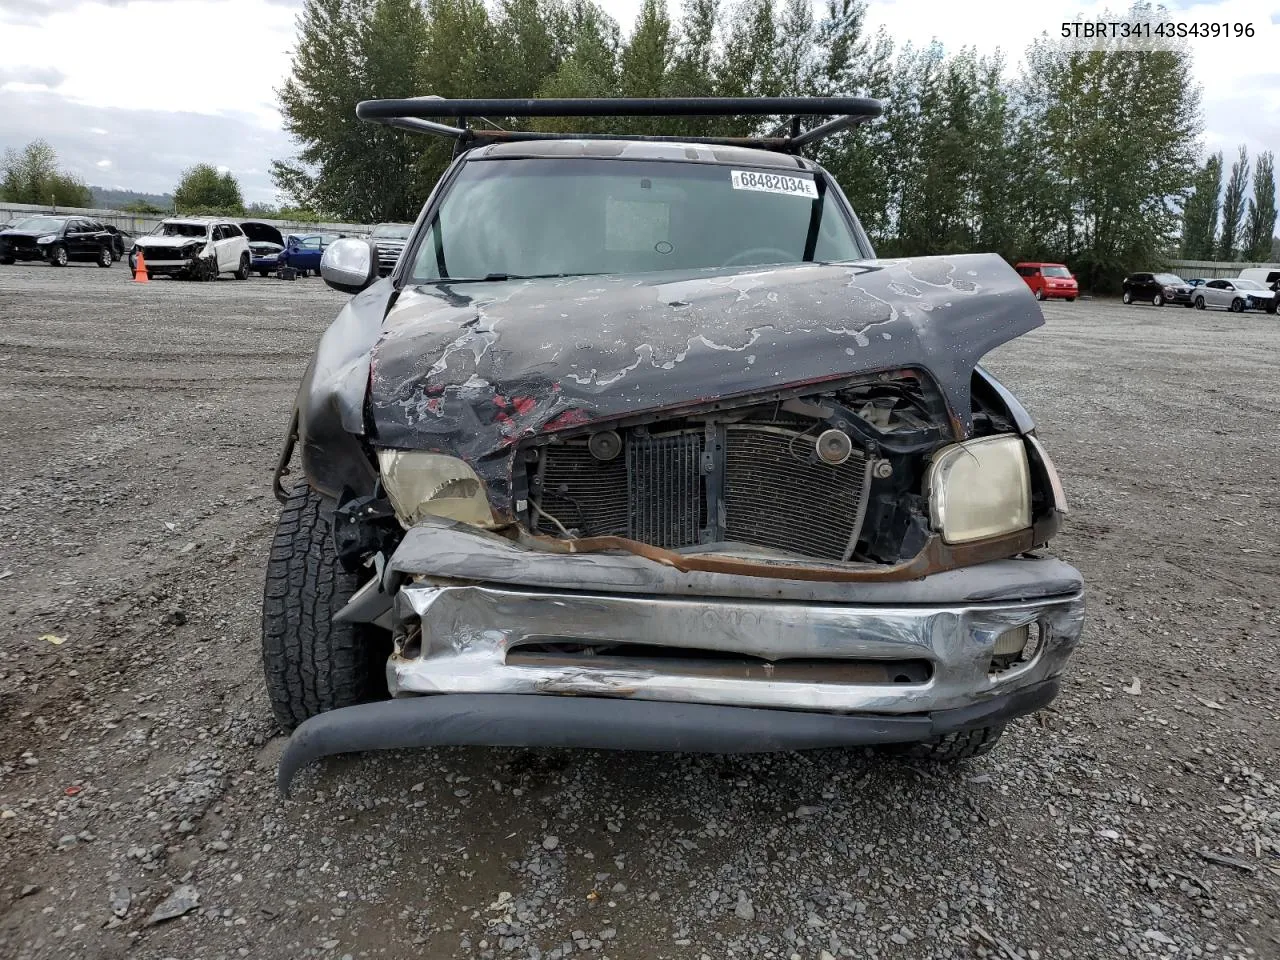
(420, 115)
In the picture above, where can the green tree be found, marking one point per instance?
(31, 175)
(143, 207)
(1200, 213)
(849, 63)
(203, 189)
(389, 50)
(1106, 203)
(1262, 208)
(1233, 206)
(591, 40)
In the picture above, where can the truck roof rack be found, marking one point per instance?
(420, 115)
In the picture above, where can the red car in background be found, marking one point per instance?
(1049, 280)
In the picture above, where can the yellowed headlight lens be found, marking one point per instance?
(421, 484)
(980, 489)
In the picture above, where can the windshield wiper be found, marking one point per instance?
(498, 277)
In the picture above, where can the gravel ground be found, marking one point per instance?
(1138, 817)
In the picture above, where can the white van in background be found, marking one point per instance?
(1269, 277)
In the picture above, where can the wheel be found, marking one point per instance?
(1237, 305)
(6, 260)
(1128, 297)
(1188, 304)
(953, 746)
(1040, 294)
(1158, 300)
(311, 663)
(242, 272)
(264, 273)
(58, 255)
(116, 255)
(1199, 304)
(105, 259)
(208, 269)
(1270, 309)
(1071, 299)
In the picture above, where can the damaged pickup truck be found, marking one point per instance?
(640, 447)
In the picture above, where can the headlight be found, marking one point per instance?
(1168, 292)
(979, 489)
(421, 484)
(49, 239)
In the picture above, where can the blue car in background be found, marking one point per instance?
(303, 253)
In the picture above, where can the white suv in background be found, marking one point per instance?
(198, 248)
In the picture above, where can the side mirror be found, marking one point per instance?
(349, 265)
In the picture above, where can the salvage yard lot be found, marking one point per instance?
(1139, 816)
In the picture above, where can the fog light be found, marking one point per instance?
(1013, 647)
(1012, 641)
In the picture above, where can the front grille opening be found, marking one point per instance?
(775, 498)
(754, 484)
(695, 662)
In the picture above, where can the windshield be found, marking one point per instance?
(1248, 285)
(181, 230)
(392, 231)
(1169, 278)
(1062, 272)
(543, 217)
(40, 224)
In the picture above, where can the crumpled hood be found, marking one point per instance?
(471, 368)
(168, 242)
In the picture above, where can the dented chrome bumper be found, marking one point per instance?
(483, 615)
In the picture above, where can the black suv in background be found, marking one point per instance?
(1157, 288)
(59, 240)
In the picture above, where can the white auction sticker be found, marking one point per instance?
(773, 183)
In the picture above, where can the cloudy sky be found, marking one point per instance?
(130, 92)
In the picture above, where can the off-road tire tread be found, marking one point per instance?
(312, 664)
(956, 746)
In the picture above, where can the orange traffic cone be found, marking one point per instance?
(140, 269)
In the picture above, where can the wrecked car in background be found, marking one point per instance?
(194, 248)
(640, 447)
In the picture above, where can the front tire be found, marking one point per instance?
(58, 256)
(1040, 294)
(312, 664)
(105, 259)
(954, 746)
(1071, 299)
(1237, 305)
(1157, 300)
(242, 272)
(1127, 298)
(1199, 303)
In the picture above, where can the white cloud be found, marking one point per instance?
(103, 163)
(98, 130)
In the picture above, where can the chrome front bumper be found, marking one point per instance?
(461, 637)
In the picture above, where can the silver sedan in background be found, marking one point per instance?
(1236, 295)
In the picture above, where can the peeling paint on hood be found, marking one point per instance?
(471, 368)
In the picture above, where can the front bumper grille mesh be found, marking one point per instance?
(774, 498)
(665, 495)
(665, 492)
